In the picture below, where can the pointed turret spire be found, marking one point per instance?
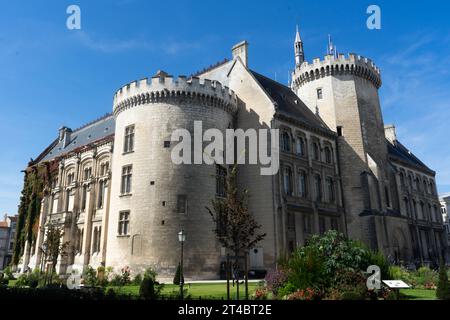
(331, 48)
(299, 53)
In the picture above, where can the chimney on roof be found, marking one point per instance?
(241, 50)
(390, 133)
(65, 135)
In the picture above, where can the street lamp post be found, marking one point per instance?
(182, 239)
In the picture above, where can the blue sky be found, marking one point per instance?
(51, 76)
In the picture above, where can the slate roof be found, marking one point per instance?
(399, 151)
(89, 133)
(288, 103)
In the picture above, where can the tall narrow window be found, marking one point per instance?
(182, 203)
(286, 142)
(331, 191)
(388, 198)
(316, 151)
(128, 145)
(302, 184)
(94, 240)
(318, 187)
(322, 225)
(328, 155)
(67, 200)
(406, 203)
(83, 197)
(307, 223)
(221, 174)
(127, 172)
(287, 180)
(101, 192)
(124, 221)
(87, 173)
(300, 146)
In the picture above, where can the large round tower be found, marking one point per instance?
(152, 199)
(343, 91)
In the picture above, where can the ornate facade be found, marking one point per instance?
(122, 201)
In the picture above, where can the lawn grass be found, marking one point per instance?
(214, 291)
(419, 294)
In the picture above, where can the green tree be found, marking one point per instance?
(236, 228)
(150, 289)
(443, 287)
(54, 245)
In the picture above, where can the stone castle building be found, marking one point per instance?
(122, 201)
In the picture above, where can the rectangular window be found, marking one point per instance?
(334, 224)
(322, 225)
(331, 191)
(318, 187)
(221, 174)
(124, 223)
(182, 203)
(127, 172)
(101, 192)
(83, 198)
(302, 184)
(87, 173)
(307, 223)
(319, 94)
(166, 144)
(128, 144)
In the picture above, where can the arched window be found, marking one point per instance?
(287, 180)
(302, 191)
(300, 146)
(328, 155)
(286, 142)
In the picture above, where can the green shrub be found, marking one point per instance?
(400, 273)
(426, 278)
(90, 277)
(150, 289)
(137, 279)
(443, 288)
(30, 279)
(306, 270)
(8, 273)
(116, 280)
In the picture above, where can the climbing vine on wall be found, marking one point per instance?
(36, 177)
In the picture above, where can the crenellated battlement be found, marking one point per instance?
(165, 88)
(352, 64)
